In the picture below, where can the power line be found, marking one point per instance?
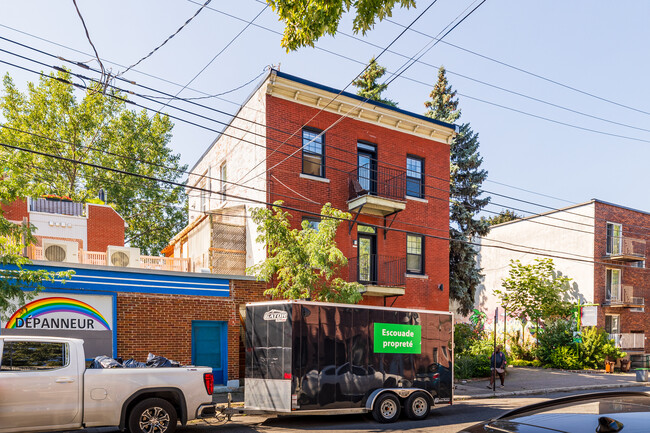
(434, 197)
(215, 57)
(166, 40)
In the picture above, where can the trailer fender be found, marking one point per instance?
(402, 393)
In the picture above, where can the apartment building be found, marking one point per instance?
(600, 245)
(308, 144)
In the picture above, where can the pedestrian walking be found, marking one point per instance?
(497, 366)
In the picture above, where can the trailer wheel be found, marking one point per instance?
(387, 408)
(417, 406)
(153, 415)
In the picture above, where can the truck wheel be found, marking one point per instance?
(387, 408)
(153, 415)
(417, 406)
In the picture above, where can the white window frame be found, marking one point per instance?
(223, 179)
(619, 246)
(620, 286)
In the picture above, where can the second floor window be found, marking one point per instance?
(312, 222)
(614, 238)
(223, 181)
(414, 176)
(414, 254)
(613, 288)
(313, 153)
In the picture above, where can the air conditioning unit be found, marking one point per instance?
(55, 250)
(124, 257)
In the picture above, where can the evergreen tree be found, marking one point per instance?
(503, 217)
(368, 86)
(466, 201)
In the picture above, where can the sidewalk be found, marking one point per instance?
(530, 381)
(519, 381)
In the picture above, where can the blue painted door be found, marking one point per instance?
(210, 347)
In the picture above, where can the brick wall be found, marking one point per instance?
(162, 324)
(105, 227)
(15, 211)
(635, 225)
(431, 218)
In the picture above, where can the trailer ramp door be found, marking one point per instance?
(268, 357)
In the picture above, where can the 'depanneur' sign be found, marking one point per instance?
(393, 338)
(58, 313)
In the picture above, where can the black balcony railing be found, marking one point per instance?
(382, 182)
(376, 270)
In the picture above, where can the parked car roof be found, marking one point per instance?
(603, 412)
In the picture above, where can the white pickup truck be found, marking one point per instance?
(44, 386)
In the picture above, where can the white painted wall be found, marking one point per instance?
(566, 235)
(63, 226)
(242, 147)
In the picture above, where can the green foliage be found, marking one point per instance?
(554, 335)
(464, 336)
(368, 86)
(17, 284)
(503, 217)
(566, 358)
(521, 348)
(466, 177)
(525, 363)
(305, 263)
(469, 366)
(533, 292)
(307, 20)
(95, 129)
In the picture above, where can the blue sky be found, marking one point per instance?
(595, 47)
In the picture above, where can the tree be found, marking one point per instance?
(368, 86)
(17, 284)
(307, 20)
(466, 197)
(305, 263)
(535, 291)
(504, 216)
(95, 129)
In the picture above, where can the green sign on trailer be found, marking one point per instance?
(394, 338)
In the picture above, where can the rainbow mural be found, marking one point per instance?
(33, 312)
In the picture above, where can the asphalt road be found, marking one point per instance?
(443, 419)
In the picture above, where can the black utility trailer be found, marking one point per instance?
(321, 358)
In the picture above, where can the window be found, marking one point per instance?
(614, 238)
(414, 254)
(414, 176)
(613, 288)
(612, 324)
(33, 355)
(204, 196)
(313, 153)
(223, 179)
(313, 222)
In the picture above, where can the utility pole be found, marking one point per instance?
(494, 351)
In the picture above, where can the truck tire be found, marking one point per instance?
(417, 406)
(153, 415)
(387, 408)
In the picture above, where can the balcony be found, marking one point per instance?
(98, 258)
(377, 191)
(624, 249)
(629, 341)
(625, 299)
(61, 207)
(381, 275)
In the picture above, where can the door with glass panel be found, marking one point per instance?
(367, 167)
(367, 255)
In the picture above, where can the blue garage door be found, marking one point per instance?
(210, 347)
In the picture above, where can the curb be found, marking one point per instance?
(548, 391)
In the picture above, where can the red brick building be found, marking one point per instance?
(308, 144)
(601, 246)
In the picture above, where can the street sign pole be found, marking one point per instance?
(494, 351)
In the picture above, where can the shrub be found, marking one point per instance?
(525, 363)
(468, 366)
(521, 348)
(464, 336)
(565, 357)
(556, 334)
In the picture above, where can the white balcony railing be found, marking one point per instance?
(628, 341)
(146, 262)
